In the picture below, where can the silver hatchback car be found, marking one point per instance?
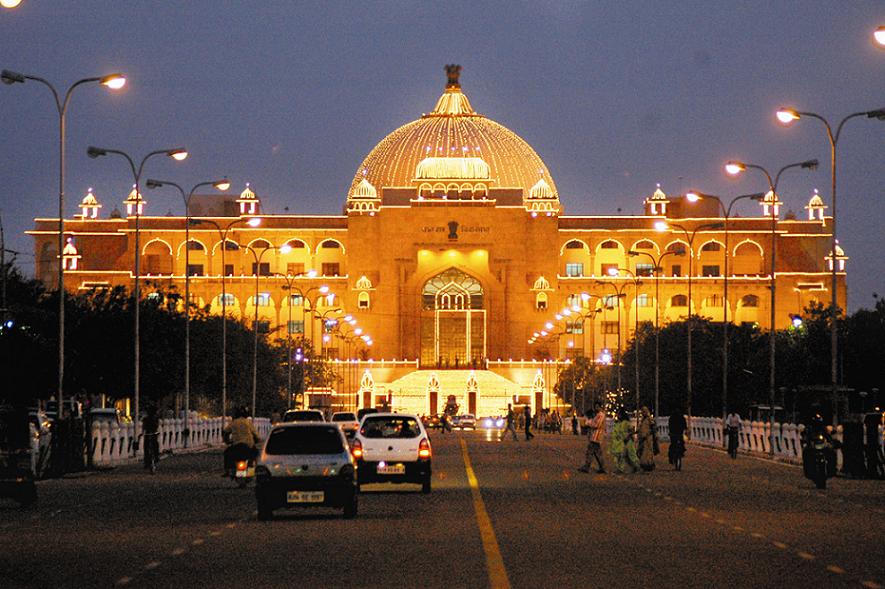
(306, 465)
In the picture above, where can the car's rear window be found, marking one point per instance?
(304, 440)
(344, 417)
(390, 427)
(291, 416)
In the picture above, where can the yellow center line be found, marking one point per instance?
(494, 563)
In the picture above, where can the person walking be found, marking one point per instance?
(621, 447)
(511, 423)
(733, 427)
(596, 425)
(677, 426)
(528, 424)
(647, 440)
(575, 422)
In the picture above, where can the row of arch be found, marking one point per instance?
(647, 245)
(257, 243)
(453, 191)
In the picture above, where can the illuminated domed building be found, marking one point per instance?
(453, 270)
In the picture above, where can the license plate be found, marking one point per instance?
(392, 469)
(305, 496)
(249, 472)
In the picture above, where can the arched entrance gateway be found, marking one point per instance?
(453, 321)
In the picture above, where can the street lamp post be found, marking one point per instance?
(619, 294)
(222, 185)
(177, 154)
(251, 222)
(737, 167)
(308, 314)
(689, 236)
(726, 214)
(114, 82)
(787, 116)
(288, 278)
(657, 269)
(636, 282)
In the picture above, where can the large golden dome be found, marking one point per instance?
(455, 142)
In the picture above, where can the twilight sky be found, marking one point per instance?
(614, 97)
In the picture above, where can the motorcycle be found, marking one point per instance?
(819, 459)
(241, 464)
(733, 441)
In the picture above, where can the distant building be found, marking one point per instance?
(452, 254)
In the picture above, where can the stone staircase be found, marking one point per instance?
(411, 392)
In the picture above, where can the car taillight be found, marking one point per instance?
(242, 465)
(357, 449)
(424, 449)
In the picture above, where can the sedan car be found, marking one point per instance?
(293, 415)
(393, 448)
(466, 421)
(305, 465)
(348, 422)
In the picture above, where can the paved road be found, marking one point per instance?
(530, 521)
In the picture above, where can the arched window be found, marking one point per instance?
(330, 244)
(750, 301)
(609, 245)
(711, 246)
(363, 300)
(452, 289)
(574, 245)
(644, 245)
(541, 301)
(679, 301)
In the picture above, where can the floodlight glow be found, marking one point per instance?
(787, 115)
(113, 81)
(254, 222)
(735, 168)
(661, 226)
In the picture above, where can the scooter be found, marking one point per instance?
(819, 459)
(242, 460)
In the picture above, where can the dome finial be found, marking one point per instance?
(453, 71)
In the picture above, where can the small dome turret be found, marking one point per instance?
(249, 202)
(134, 203)
(815, 207)
(89, 206)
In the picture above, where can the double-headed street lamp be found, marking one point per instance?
(788, 116)
(114, 82)
(251, 222)
(737, 167)
(285, 249)
(221, 185)
(309, 305)
(636, 282)
(619, 294)
(657, 270)
(689, 236)
(178, 154)
(726, 214)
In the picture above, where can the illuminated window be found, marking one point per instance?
(296, 327)
(263, 299)
(645, 269)
(609, 269)
(643, 300)
(226, 299)
(574, 269)
(609, 327)
(714, 300)
(575, 327)
(363, 300)
(541, 301)
(296, 300)
(610, 301)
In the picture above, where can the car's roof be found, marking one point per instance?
(391, 414)
(304, 411)
(287, 424)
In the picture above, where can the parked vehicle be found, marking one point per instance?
(466, 421)
(16, 471)
(394, 448)
(306, 465)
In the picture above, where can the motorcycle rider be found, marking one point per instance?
(242, 439)
(733, 427)
(817, 430)
(150, 428)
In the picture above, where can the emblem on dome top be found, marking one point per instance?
(453, 71)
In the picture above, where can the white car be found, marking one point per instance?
(348, 422)
(393, 448)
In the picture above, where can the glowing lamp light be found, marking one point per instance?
(661, 226)
(612, 271)
(735, 168)
(576, 308)
(558, 317)
(347, 318)
(112, 81)
(796, 321)
(787, 115)
(10, 3)
(285, 248)
(606, 356)
(879, 35)
(692, 197)
(536, 334)
(222, 185)
(358, 331)
(543, 333)
(178, 154)
(566, 312)
(585, 296)
(311, 273)
(571, 344)
(324, 289)
(254, 222)
(548, 325)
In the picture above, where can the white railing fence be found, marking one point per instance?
(754, 437)
(113, 443)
